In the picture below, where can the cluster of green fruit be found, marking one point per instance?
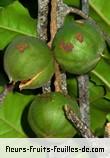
(77, 48)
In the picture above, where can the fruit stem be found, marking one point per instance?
(43, 8)
(65, 10)
(79, 124)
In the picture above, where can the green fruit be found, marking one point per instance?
(30, 61)
(47, 117)
(78, 47)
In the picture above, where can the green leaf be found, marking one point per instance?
(4, 3)
(14, 20)
(98, 112)
(108, 117)
(100, 74)
(102, 8)
(100, 11)
(95, 91)
(99, 107)
(103, 25)
(107, 96)
(11, 113)
(75, 3)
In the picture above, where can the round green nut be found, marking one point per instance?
(29, 61)
(78, 47)
(47, 117)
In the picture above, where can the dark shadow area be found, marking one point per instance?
(3, 77)
(32, 6)
(24, 123)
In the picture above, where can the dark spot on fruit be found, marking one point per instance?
(66, 46)
(79, 37)
(21, 47)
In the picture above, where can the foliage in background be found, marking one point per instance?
(18, 17)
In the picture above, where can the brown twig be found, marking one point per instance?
(53, 23)
(57, 81)
(53, 30)
(80, 125)
(43, 9)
